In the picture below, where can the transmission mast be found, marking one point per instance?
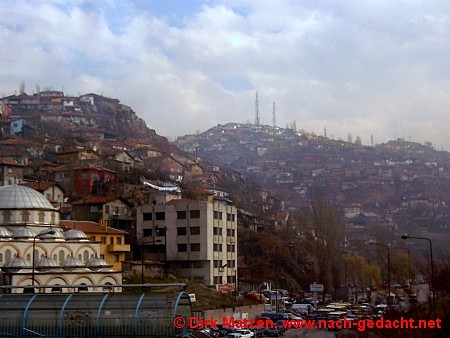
(256, 110)
(274, 115)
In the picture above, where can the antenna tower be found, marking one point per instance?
(256, 110)
(274, 115)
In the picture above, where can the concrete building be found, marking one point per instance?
(196, 239)
(35, 251)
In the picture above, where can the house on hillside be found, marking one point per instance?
(10, 172)
(118, 160)
(51, 190)
(108, 210)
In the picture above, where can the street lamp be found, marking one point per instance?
(432, 269)
(389, 271)
(50, 232)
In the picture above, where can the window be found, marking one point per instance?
(195, 246)
(56, 288)
(181, 214)
(148, 232)
(182, 247)
(231, 232)
(195, 230)
(217, 247)
(61, 256)
(85, 255)
(92, 238)
(181, 231)
(41, 216)
(217, 231)
(218, 215)
(160, 231)
(107, 209)
(231, 264)
(197, 265)
(1, 257)
(25, 216)
(160, 216)
(147, 216)
(194, 214)
(83, 288)
(103, 240)
(119, 240)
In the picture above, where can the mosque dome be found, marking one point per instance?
(24, 232)
(75, 234)
(96, 263)
(51, 233)
(47, 263)
(72, 262)
(5, 233)
(17, 263)
(21, 197)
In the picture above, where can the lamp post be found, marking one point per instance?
(431, 265)
(50, 232)
(389, 271)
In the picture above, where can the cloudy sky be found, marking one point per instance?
(359, 67)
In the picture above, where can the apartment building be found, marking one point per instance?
(196, 239)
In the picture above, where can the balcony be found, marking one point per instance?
(119, 248)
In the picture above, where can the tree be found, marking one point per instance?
(328, 226)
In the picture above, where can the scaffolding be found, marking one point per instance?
(108, 314)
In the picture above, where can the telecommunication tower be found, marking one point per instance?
(256, 110)
(274, 115)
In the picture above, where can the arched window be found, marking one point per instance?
(28, 257)
(61, 256)
(1, 257)
(80, 257)
(7, 255)
(56, 288)
(107, 287)
(86, 255)
(41, 216)
(83, 288)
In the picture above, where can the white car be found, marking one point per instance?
(245, 333)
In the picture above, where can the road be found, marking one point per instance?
(309, 333)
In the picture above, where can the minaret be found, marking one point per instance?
(256, 110)
(274, 115)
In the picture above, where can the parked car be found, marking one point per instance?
(233, 335)
(245, 333)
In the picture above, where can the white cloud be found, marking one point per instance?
(373, 67)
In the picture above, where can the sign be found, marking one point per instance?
(192, 297)
(316, 287)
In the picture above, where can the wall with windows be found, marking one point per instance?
(201, 237)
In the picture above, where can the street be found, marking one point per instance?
(309, 333)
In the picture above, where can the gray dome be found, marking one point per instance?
(47, 263)
(17, 263)
(5, 233)
(21, 197)
(24, 232)
(57, 235)
(75, 234)
(72, 262)
(96, 263)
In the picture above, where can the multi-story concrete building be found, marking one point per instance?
(197, 239)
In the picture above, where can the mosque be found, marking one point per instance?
(36, 254)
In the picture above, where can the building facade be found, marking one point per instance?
(197, 239)
(35, 251)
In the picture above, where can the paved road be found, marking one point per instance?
(309, 333)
